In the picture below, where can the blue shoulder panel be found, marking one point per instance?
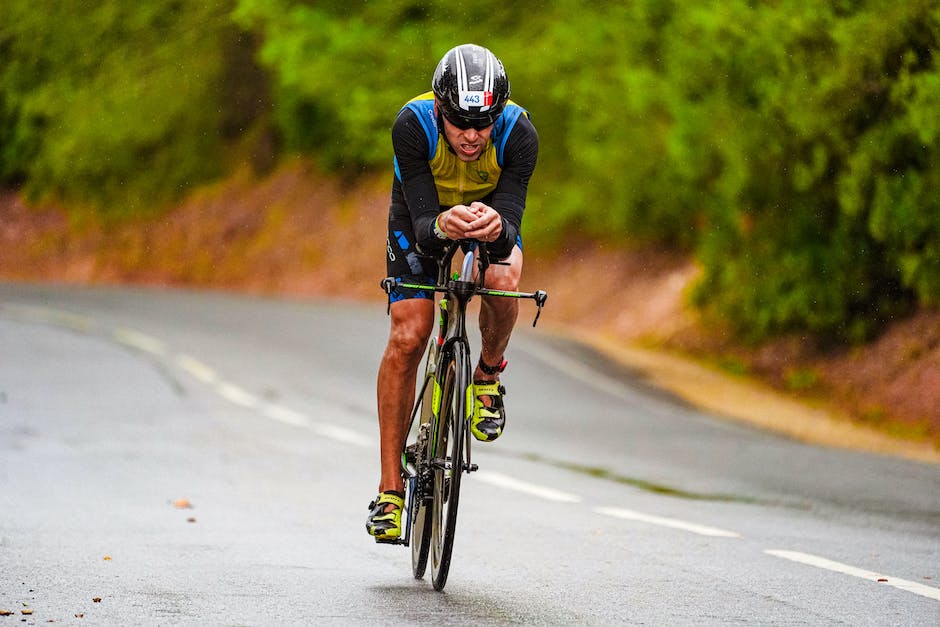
(424, 110)
(503, 128)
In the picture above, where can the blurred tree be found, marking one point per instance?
(117, 104)
(792, 146)
(828, 124)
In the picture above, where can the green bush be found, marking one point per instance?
(116, 105)
(834, 225)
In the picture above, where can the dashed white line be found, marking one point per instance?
(140, 341)
(237, 395)
(241, 397)
(845, 569)
(197, 369)
(37, 313)
(661, 521)
(511, 483)
(286, 415)
(342, 434)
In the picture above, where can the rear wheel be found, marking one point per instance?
(448, 464)
(420, 520)
(420, 516)
(420, 536)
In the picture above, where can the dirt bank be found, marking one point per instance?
(298, 234)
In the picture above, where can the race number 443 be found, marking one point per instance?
(476, 98)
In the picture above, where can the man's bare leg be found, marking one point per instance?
(411, 324)
(498, 315)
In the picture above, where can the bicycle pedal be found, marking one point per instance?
(390, 541)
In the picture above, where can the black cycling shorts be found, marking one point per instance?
(404, 261)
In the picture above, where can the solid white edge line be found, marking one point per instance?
(661, 521)
(510, 483)
(845, 569)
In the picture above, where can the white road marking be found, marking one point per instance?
(237, 395)
(37, 313)
(510, 483)
(241, 397)
(342, 434)
(845, 569)
(197, 369)
(673, 523)
(286, 415)
(140, 341)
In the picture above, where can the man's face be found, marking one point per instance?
(468, 144)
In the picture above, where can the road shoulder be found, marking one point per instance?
(745, 400)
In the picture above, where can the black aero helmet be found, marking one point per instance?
(471, 86)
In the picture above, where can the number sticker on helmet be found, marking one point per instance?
(482, 99)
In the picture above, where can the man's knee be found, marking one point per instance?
(506, 277)
(407, 340)
(411, 326)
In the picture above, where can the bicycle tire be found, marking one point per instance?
(420, 537)
(448, 463)
(420, 516)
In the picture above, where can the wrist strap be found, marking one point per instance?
(437, 229)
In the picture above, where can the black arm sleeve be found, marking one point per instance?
(519, 158)
(418, 195)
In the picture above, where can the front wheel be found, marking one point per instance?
(448, 463)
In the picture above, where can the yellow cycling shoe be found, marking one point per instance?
(488, 421)
(384, 523)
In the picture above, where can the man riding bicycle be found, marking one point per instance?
(464, 154)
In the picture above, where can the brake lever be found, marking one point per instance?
(388, 284)
(540, 296)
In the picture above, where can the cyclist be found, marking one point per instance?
(464, 154)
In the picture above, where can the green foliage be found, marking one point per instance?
(118, 104)
(342, 70)
(792, 146)
(801, 379)
(834, 225)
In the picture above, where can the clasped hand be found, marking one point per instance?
(478, 221)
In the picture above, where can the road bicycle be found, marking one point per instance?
(437, 449)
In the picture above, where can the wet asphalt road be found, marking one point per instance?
(605, 502)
